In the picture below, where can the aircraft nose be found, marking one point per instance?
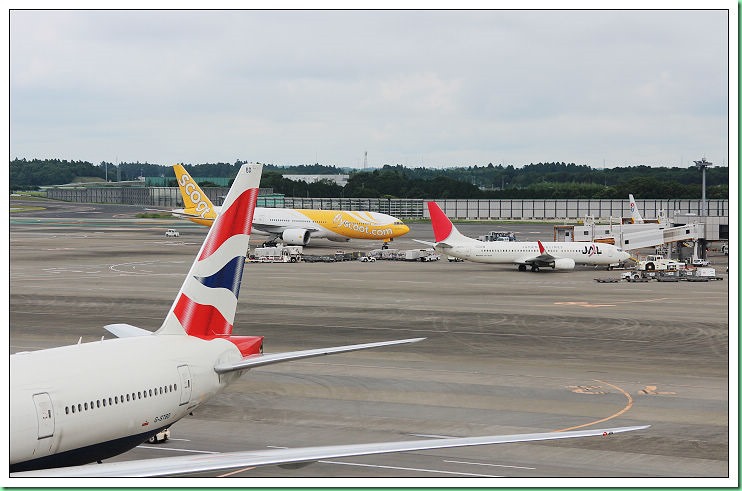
(403, 229)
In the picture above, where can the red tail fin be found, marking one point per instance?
(442, 226)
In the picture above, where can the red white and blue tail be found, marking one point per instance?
(206, 303)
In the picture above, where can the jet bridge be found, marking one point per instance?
(634, 236)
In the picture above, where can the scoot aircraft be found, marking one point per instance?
(554, 255)
(87, 402)
(294, 226)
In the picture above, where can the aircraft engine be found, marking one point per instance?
(295, 236)
(564, 263)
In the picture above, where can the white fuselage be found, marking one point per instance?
(86, 402)
(519, 252)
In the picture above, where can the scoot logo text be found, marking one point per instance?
(194, 195)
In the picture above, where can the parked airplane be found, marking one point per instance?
(636, 217)
(294, 226)
(87, 402)
(554, 255)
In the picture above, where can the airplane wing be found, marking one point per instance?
(294, 457)
(543, 259)
(260, 360)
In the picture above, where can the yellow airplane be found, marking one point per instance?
(294, 226)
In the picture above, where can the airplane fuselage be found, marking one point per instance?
(330, 224)
(517, 252)
(87, 402)
(297, 226)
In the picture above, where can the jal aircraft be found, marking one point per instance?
(294, 226)
(536, 255)
(84, 403)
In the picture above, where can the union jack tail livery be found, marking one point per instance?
(206, 303)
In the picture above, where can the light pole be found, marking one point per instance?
(702, 164)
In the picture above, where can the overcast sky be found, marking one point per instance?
(433, 88)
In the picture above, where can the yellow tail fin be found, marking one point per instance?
(195, 201)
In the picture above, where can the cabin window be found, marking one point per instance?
(66, 410)
(127, 397)
(110, 401)
(116, 399)
(145, 394)
(79, 408)
(150, 392)
(97, 403)
(73, 409)
(104, 403)
(160, 390)
(175, 386)
(139, 395)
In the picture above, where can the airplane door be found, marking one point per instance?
(185, 384)
(44, 415)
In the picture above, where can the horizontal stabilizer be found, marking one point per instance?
(431, 244)
(126, 330)
(294, 457)
(253, 361)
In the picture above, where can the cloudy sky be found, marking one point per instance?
(433, 88)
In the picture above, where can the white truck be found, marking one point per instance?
(278, 254)
(658, 262)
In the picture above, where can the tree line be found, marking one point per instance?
(553, 180)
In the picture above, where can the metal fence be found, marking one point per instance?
(471, 209)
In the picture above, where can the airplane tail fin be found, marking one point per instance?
(206, 303)
(195, 201)
(443, 229)
(635, 215)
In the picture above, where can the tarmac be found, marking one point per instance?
(505, 352)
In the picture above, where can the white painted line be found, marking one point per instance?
(489, 465)
(170, 449)
(413, 469)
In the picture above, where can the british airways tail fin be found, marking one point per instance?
(443, 229)
(196, 205)
(206, 303)
(635, 215)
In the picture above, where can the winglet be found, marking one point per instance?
(207, 301)
(541, 248)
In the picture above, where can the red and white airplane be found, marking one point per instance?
(87, 402)
(554, 255)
